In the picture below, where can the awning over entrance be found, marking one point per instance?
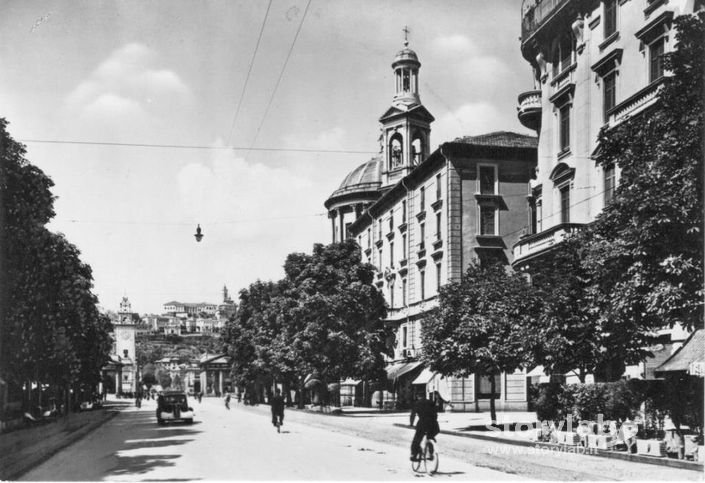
(350, 382)
(395, 371)
(690, 358)
(536, 371)
(434, 382)
(425, 376)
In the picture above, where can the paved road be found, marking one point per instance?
(239, 444)
(525, 461)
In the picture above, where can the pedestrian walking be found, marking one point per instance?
(277, 407)
(227, 400)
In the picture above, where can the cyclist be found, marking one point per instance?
(277, 403)
(427, 425)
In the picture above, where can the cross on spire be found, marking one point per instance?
(406, 35)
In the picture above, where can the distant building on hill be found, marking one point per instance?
(227, 309)
(189, 309)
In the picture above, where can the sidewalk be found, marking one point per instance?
(475, 425)
(22, 449)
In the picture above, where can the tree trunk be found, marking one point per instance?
(493, 410)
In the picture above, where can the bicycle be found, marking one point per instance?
(429, 457)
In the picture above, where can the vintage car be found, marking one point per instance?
(173, 406)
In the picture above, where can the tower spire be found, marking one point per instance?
(406, 126)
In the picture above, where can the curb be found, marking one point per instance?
(14, 471)
(682, 464)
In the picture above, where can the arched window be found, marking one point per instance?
(396, 152)
(406, 80)
(417, 149)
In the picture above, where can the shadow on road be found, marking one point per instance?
(174, 479)
(145, 435)
(129, 465)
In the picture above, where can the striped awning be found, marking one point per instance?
(689, 358)
(425, 376)
(395, 371)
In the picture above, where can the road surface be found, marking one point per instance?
(239, 444)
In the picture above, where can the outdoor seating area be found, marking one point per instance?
(630, 437)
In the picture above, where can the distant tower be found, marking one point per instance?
(125, 346)
(406, 125)
(125, 306)
(226, 296)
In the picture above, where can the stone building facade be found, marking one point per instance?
(421, 218)
(595, 63)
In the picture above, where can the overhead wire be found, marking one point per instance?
(182, 146)
(249, 71)
(231, 222)
(281, 74)
(209, 223)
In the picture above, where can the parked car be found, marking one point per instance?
(173, 406)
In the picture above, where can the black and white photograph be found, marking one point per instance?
(352, 240)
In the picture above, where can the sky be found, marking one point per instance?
(241, 116)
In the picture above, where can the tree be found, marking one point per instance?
(645, 250)
(148, 352)
(324, 318)
(149, 378)
(571, 332)
(245, 335)
(52, 331)
(26, 205)
(334, 315)
(482, 325)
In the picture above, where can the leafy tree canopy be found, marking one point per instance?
(52, 331)
(482, 325)
(324, 318)
(646, 247)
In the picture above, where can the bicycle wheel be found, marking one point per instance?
(416, 464)
(430, 457)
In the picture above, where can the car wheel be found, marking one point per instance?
(160, 422)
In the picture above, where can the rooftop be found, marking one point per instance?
(365, 178)
(500, 138)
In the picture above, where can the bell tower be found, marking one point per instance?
(406, 125)
(125, 346)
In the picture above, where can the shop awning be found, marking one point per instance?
(395, 371)
(536, 371)
(690, 358)
(425, 376)
(350, 382)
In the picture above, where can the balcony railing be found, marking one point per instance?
(533, 244)
(529, 109)
(635, 103)
(535, 12)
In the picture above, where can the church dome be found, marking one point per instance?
(406, 56)
(365, 178)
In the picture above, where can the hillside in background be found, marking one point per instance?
(151, 348)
